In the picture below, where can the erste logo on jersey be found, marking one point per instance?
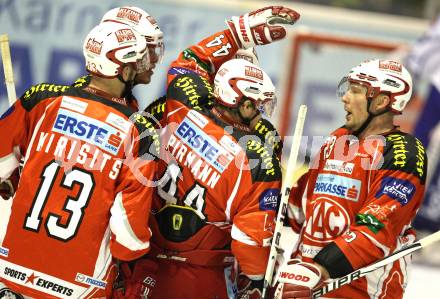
(339, 186)
(204, 145)
(400, 190)
(89, 130)
(269, 199)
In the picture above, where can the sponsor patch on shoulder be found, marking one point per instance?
(198, 118)
(269, 199)
(74, 104)
(398, 189)
(118, 122)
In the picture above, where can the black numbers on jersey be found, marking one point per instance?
(217, 41)
(167, 190)
(75, 206)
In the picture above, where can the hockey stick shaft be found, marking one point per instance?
(7, 68)
(349, 278)
(285, 191)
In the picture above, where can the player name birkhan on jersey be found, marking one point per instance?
(339, 186)
(206, 158)
(101, 141)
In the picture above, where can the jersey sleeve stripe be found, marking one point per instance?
(233, 194)
(120, 226)
(240, 236)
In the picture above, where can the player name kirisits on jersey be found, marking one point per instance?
(70, 151)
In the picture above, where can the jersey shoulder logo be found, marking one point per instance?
(39, 92)
(405, 153)
(192, 90)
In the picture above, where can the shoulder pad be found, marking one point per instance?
(192, 90)
(149, 138)
(405, 153)
(265, 166)
(39, 92)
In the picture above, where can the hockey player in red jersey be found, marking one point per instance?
(85, 189)
(356, 203)
(213, 217)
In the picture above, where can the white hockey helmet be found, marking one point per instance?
(110, 46)
(382, 77)
(143, 23)
(237, 79)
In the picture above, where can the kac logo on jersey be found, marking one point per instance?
(336, 185)
(204, 145)
(400, 190)
(6, 293)
(89, 130)
(269, 199)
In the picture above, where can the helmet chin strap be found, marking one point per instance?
(244, 120)
(370, 117)
(128, 86)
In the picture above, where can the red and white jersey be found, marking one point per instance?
(228, 179)
(362, 195)
(83, 194)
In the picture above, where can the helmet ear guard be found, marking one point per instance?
(239, 79)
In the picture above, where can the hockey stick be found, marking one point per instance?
(349, 278)
(285, 191)
(7, 68)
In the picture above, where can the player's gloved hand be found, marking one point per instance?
(138, 281)
(248, 288)
(297, 279)
(9, 186)
(262, 26)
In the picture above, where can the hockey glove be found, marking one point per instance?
(138, 282)
(9, 186)
(248, 288)
(297, 279)
(262, 26)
